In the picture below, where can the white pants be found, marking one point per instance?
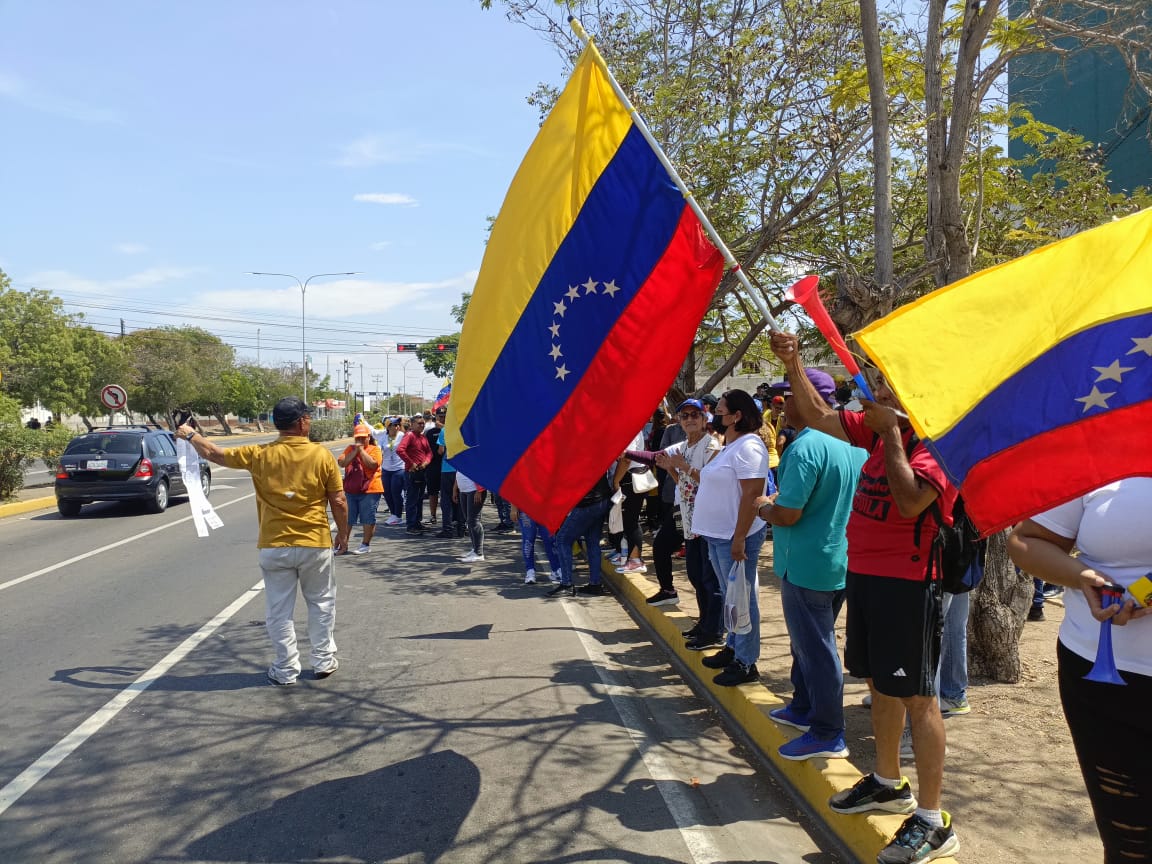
(313, 569)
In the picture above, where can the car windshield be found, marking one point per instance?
(98, 442)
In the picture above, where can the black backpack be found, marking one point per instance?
(958, 552)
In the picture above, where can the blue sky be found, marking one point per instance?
(152, 153)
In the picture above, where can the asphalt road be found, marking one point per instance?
(471, 720)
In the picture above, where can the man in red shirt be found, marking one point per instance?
(894, 619)
(416, 454)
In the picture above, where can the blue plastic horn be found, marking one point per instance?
(1104, 669)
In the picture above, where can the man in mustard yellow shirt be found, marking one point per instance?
(296, 481)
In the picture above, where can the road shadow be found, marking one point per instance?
(384, 815)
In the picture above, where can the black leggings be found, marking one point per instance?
(633, 503)
(665, 544)
(1111, 728)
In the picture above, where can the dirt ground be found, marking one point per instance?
(1011, 780)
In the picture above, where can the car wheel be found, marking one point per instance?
(206, 483)
(159, 500)
(68, 509)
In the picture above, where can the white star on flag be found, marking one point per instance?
(1142, 346)
(1095, 399)
(590, 286)
(556, 353)
(1114, 372)
(555, 328)
(610, 288)
(573, 292)
(560, 308)
(561, 372)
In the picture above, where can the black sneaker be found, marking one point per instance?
(415, 532)
(919, 841)
(563, 591)
(720, 659)
(596, 590)
(502, 528)
(446, 533)
(691, 633)
(870, 794)
(664, 598)
(460, 532)
(703, 642)
(737, 673)
(1036, 613)
(1051, 591)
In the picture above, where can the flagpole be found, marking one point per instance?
(729, 258)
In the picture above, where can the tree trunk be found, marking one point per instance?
(996, 620)
(153, 420)
(220, 415)
(87, 423)
(881, 147)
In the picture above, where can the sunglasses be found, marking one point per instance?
(690, 415)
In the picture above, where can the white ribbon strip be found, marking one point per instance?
(203, 513)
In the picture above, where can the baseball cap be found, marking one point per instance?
(823, 383)
(288, 410)
(362, 430)
(777, 400)
(690, 403)
(710, 400)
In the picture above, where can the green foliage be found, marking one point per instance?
(324, 429)
(36, 360)
(436, 362)
(19, 447)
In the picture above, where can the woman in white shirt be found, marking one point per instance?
(1111, 725)
(393, 470)
(725, 515)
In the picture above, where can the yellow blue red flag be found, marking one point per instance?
(1031, 382)
(595, 278)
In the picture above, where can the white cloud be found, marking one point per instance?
(381, 244)
(379, 149)
(334, 299)
(18, 91)
(66, 282)
(131, 248)
(399, 198)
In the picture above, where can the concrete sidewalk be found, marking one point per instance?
(814, 780)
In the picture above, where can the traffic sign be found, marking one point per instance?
(113, 397)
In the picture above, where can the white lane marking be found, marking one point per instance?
(93, 552)
(222, 486)
(36, 772)
(672, 787)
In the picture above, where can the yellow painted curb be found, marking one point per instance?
(32, 504)
(816, 780)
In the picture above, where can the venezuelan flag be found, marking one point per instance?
(594, 281)
(1031, 382)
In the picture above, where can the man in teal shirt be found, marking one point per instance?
(817, 480)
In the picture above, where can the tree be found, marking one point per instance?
(438, 356)
(162, 377)
(36, 355)
(106, 362)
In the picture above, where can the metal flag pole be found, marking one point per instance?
(729, 258)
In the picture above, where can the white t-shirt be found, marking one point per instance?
(718, 498)
(1110, 527)
(392, 460)
(464, 483)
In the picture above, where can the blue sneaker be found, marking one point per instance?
(788, 717)
(808, 746)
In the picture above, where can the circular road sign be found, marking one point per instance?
(113, 396)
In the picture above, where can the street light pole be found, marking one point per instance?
(303, 290)
(407, 395)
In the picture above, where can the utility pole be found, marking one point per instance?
(257, 346)
(363, 392)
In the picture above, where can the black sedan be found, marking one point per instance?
(122, 463)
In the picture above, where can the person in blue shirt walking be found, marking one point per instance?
(817, 480)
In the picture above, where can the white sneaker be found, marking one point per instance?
(364, 547)
(471, 558)
(555, 578)
(906, 751)
(393, 520)
(530, 577)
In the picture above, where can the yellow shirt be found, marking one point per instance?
(768, 436)
(292, 477)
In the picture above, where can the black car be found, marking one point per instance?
(122, 463)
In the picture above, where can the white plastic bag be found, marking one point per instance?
(616, 514)
(643, 482)
(737, 601)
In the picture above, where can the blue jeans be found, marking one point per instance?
(586, 522)
(746, 645)
(709, 594)
(528, 531)
(953, 682)
(414, 497)
(817, 676)
(394, 492)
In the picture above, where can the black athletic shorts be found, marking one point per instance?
(432, 481)
(893, 631)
